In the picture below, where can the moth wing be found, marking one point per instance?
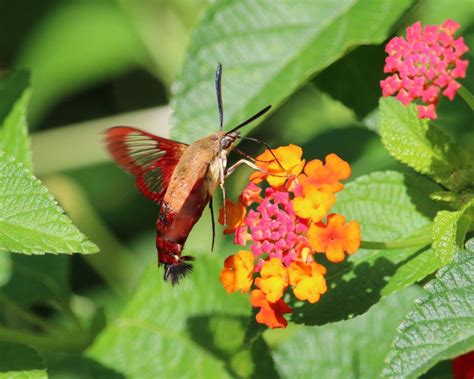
(151, 159)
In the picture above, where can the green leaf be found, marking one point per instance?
(423, 146)
(60, 49)
(31, 222)
(449, 231)
(268, 50)
(5, 268)
(12, 86)
(14, 139)
(442, 324)
(417, 268)
(345, 349)
(35, 279)
(14, 97)
(195, 329)
(363, 69)
(73, 366)
(388, 206)
(20, 362)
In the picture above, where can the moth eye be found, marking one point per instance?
(226, 142)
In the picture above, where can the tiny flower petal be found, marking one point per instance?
(237, 272)
(251, 194)
(235, 215)
(314, 204)
(270, 314)
(274, 279)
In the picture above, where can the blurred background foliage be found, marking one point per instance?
(94, 59)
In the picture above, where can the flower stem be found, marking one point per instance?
(467, 96)
(420, 238)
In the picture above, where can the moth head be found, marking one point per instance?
(228, 140)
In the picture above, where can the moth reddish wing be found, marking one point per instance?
(151, 159)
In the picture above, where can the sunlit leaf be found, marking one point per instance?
(268, 49)
(31, 222)
(442, 324)
(389, 206)
(195, 329)
(421, 145)
(345, 349)
(449, 231)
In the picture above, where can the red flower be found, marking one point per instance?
(271, 314)
(463, 366)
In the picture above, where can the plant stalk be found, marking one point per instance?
(421, 238)
(466, 96)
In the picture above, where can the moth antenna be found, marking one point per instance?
(218, 80)
(254, 117)
(267, 146)
(244, 154)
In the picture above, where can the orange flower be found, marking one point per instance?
(273, 279)
(237, 272)
(289, 164)
(270, 314)
(235, 215)
(335, 237)
(307, 280)
(314, 204)
(327, 175)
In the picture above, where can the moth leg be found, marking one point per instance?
(232, 168)
(222, 177)
(211, 208)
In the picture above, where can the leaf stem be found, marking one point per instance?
(420, 238)
(466, 96)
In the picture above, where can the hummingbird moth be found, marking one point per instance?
(181, 178)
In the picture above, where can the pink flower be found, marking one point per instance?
(274, 229)
(425, 65)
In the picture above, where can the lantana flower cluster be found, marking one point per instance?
(283, 216)
(425, 66)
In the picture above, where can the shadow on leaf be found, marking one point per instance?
(225, 336)
(74, 366)
(352, 290)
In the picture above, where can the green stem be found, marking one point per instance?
(79, 145)
(60, 300)
(421, 238)
(64, 342)
(115, 264)
(26, 315)
(467, 96)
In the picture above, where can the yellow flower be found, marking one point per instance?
(287, 164)
(314, 204)
(273, 280)
(307, 280)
